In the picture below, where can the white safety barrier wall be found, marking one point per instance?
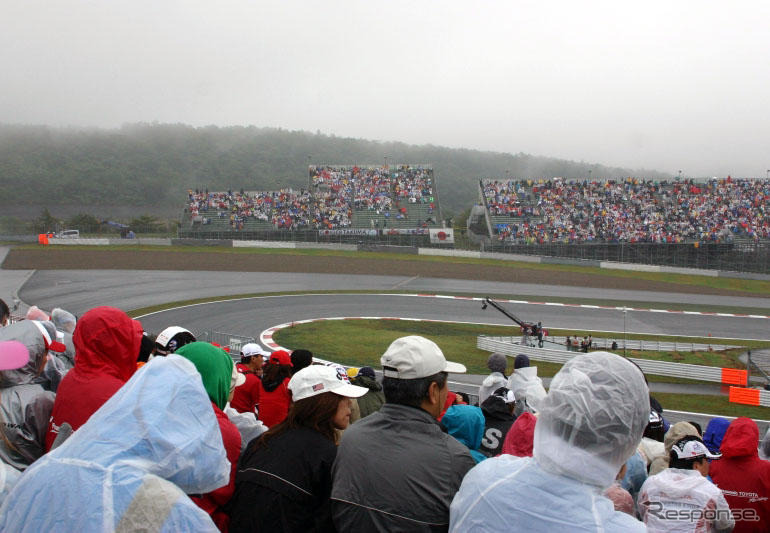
(504, 346)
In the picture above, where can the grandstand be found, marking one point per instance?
(359, 200)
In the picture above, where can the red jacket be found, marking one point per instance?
(246, 396)
(107, 344)
(213, 502)
(274, 404)
(742, 476)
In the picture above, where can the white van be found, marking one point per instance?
(68, 234)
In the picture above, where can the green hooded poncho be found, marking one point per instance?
(214, 366)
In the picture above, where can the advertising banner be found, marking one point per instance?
(442, 236)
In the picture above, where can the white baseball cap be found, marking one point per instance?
(691, 448)
(416, 357)
(317, 379)
(164, 338)
(252, 348)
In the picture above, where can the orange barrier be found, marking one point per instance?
(734, 376)
(744, 396)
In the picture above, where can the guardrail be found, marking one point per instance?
(754, 397)
(641, 345)
(728, 376)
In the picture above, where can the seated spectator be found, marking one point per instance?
(374, 399)
(107, 343)
(527, 388)
(497, 363)
(219, 379)
(636, 475)
(25, 405)
(466, 424)
(651, 445)
(13, 355)
(368, 492)
(171, 339)
(129, 467)
(675, 433)
(743, 477)
(521, 437)
(683, 490)
(284, 478)
(589, 424)
(246, 397)
(715, 432)
(498, 419)
(300, 359)
(274, 396)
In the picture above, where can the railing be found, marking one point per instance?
(639, 345)
(730, 376)
(232, 342)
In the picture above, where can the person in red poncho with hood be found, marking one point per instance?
(274, 396)
(107, 343)
(743, 477)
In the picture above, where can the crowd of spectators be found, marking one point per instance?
(107, 427)
(336, 191)
(632, 210)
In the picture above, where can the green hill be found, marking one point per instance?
(151, 166)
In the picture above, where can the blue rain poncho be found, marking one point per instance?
(132, 464)
(589, 424)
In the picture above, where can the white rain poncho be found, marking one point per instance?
(8, 478)
(25, 405)
(527, 387)
(589, 424)
(129, 467)
(63, 320)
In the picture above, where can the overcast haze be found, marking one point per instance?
(663, 85)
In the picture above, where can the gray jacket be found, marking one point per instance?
(25, 406)
(396, 470)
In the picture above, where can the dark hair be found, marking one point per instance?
(145, 348)
(316, 413)
(4, 310)
(411, 391)
(301, 359)
(465, 397)
(275, 373)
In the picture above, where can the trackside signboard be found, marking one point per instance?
(442, 236)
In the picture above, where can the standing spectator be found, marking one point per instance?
(466, 424)
(743, 477)
(131, 465)
(25, 406)
(374, 399)
(498, 419)
(369, 493)
(683, 490)
(107, 344)
(284, 479)
(497, 363)
(588, 425)
(217, 372)
(274, 396)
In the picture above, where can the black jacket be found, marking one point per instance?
(286, 485)
(497, 421)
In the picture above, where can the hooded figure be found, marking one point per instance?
(25, 406)
(107, 343)
(527, 388)
(374, 399)
(589, 424)
(63, 320)
(674, 434)
(466, 424)
(743, 477)
(715, 432)
(130, 466)
(217, 371)
(521, 437)
(497, 363)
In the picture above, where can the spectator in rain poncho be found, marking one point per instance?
(715, 432)
(526, 386)
(497, 363)
(466, 424)
(129, 467)
(25, 405)
(13, 354)
(63, 320)
(219, 378)
(590, 422)
(107, 344)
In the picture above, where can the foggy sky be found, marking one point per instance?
(656, 84)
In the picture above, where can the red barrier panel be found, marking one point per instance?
(744, 396)
(734, 376)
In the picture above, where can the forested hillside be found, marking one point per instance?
(153, 165)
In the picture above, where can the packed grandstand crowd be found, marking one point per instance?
(334, 193)
(107, 427)
(632, 210)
